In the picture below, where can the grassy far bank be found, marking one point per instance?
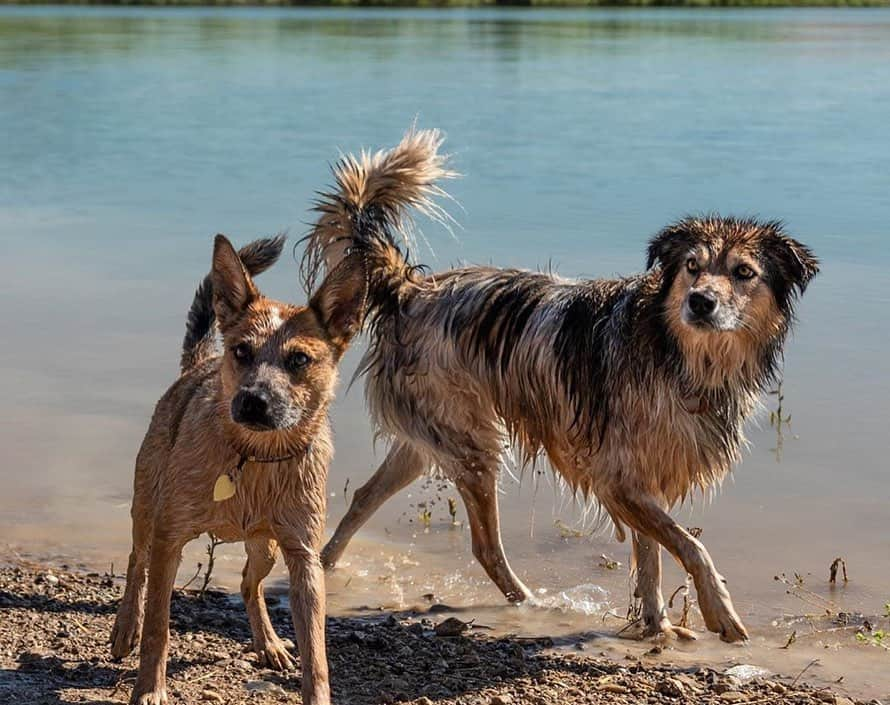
(465, 3)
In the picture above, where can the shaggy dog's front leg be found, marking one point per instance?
(647, 559)
(642, 513)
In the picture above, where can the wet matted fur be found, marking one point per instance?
(258, 410)
(636, 389)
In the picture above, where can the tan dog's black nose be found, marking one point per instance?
(702, 304)
(251, 408)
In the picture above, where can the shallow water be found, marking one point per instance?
(131, 136)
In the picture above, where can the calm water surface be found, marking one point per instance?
(130, 137)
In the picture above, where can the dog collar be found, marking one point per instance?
(225, 484)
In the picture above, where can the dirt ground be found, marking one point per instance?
(55, 622)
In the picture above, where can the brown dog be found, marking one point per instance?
(252, 419)
(635, 389)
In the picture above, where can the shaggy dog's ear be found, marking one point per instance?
(795, 262)
(669, 243)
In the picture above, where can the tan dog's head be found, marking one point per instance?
(729, 290)
(279, 365)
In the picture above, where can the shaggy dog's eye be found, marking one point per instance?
(743, 271)
(692, 265)
(242, 353)
(298, 360)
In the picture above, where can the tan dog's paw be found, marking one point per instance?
(274, 654)
(125, 634)
(155, 697)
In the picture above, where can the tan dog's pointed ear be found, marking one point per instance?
(233, 289)
(340, 301)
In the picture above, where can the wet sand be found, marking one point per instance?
(56, 620)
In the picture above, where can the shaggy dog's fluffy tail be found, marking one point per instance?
(199, 342)
(369, 209)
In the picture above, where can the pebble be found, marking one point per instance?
(733, 696)
(263, 687)
(212, 696)
(504, 699)
(616, 688)
(671, 687)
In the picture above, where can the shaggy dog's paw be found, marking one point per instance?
(329, 556)
(720, 616)
(663, 629)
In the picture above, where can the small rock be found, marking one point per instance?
(263, 687)
(733, 696)
(841, 700)
(616, 688)
(746, 672)
(212, 696)
(504, 699)
(671, 687)
(242, 664)
(50, 579)
(451, 627)
(423, 700)
(724, 685)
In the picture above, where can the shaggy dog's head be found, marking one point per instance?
(728, 292)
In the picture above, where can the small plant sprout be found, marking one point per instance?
(452, 511)
(779, 421)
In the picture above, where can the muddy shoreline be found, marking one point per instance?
(55, 622)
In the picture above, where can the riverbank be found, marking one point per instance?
(54, 626)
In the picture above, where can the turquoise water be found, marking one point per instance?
(130, 137)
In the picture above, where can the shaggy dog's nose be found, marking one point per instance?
(251, 408)
(702, 304)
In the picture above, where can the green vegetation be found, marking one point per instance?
(469, 3)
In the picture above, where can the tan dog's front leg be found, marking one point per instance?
(270, 650)
(150, 688)
(307, 604)
(642, 513)
(647, 555)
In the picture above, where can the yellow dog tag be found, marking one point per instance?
(224, 488)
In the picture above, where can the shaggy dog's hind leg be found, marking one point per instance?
(402, 466)
(478, 489)
(647, 557)
(270, 650)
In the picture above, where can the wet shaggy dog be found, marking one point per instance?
(635, 389)
(254, 417)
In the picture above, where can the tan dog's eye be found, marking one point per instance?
(743, 271)
(298, 361)
(692, 265)
(242, 353)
